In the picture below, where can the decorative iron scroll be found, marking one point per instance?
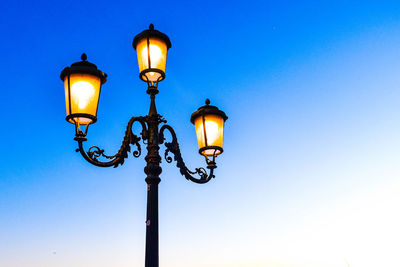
(173, 147)
(94, 152)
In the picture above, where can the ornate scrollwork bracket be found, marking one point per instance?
(173, 147)
(94, 152)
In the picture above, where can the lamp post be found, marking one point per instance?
(83, 81)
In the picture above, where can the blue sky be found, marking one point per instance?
(310, 173)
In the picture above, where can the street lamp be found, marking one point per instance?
(83, 81)
(151, 47)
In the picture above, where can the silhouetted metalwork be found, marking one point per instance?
(152, 136)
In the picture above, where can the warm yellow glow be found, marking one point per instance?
(214, 128)
(85, 90)
(158, 57)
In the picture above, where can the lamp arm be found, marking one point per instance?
(130, 138)
(173, 147)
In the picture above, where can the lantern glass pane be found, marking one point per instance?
(214, 129)
(158, 57)
(85, 91)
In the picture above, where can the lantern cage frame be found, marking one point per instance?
(203, 111)
(82, 67)
(147, 34)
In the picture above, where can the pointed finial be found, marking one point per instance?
(84, 57)
(151, 27)
(208, 101)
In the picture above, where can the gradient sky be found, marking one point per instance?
(310, 176)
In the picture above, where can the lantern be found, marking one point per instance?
(82, 83)
(209, 124)
(151, 47)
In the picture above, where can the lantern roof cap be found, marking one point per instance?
(84, 67)
(151, 32)
(208, 109)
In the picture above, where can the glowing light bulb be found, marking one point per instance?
(155, 55)
(83, 92)
(212, 132)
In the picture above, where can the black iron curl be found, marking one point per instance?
(173, 147)
(130, 138)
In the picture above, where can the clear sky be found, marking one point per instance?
(310, 176)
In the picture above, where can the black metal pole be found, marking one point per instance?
(153, 171)
(154, 137)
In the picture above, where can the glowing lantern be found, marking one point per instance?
(209, 124)
(82, 83)
(151, 47)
